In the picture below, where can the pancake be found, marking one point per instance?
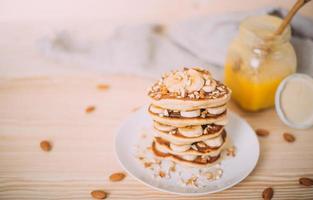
(203, 112)
(189, 89)
(204, 149)
(190, 104)
(220, 119)
(198, 162)
(174, 136)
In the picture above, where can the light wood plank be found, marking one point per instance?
(33, 109)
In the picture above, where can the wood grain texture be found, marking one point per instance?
(82, 158)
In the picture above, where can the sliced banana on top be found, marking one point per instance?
(195, 81)
(163, 127)
(190, 114)
(191, 131)
(179, 148)
(210, 86)
(175, 82)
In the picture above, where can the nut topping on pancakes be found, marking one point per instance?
(191, 83)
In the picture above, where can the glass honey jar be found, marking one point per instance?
(257, 61)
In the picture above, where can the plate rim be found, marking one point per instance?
(179, 193)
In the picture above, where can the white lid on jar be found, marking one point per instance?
(294, 101)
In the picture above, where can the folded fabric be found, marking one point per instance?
(150, 49)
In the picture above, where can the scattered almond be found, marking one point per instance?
(103, 86)
(306, 181)
(268, 193)
(289, 137)
(98, 194)
(90, 109)
(45, 145)
(117, 177)
(262, 132)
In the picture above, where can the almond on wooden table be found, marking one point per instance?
(117, 176)
(262, 132)
(289, 137)
(45, 145)
(90, 109)
(103, 86)
(98, 194)
(306, 181)
(268, 193)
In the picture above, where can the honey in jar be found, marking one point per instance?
(257, 61)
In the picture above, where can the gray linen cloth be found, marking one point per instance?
(150, 49)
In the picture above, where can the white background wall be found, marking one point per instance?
(129, 10)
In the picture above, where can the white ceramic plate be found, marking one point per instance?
(235, 169)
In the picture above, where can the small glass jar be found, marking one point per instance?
(257, 61)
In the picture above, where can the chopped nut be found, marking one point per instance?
(192, 181)
(173, 168)
(219, 171)
(202, 94)
(163, 90)
(192, 96)
(221, 89)
(209, 175)
(158, 162)
(231, 151)
(148, 164)
(162, 174)
(158, 96)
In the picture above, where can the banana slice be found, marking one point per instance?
(156, 110)
(195, 81)
(160, 148)
(210, 86)
(190, 114)
(214, 142)
(163, 127)
(191, 131)
(189, 157)
(217, 110)
(175, 82)
(180, 148)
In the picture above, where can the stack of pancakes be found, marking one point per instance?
(189, 112)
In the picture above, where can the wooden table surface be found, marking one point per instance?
(82, 158)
